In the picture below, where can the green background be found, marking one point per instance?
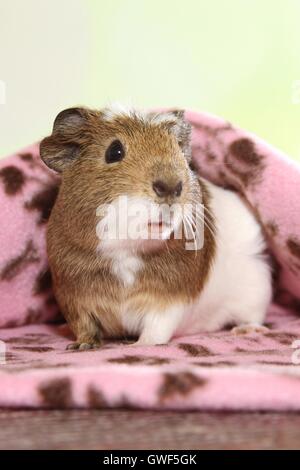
(239, 59)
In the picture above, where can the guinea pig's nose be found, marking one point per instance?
(163, 189)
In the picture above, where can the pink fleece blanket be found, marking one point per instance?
(208, 371)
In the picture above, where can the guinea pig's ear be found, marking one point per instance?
(174, 120)
(63, 146)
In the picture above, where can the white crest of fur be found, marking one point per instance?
(116, 109)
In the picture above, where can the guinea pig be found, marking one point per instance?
(161, 285)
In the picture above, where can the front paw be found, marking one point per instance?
(77, 346)
(248, 329)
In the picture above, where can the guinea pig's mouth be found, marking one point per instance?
(158, 225)
(137, 221)
(159, 222)
(159, 230)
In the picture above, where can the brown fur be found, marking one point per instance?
(88, 292)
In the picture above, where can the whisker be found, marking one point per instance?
(195, 234)
(203, 221)
(192, 231)
(206, 223)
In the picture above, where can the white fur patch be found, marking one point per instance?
(125, 266)
(115, 110)
(152, 326)
(159, 326)
(238, 289)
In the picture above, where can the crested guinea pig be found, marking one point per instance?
(126, 255)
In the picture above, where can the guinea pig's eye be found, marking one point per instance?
(115, 152)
